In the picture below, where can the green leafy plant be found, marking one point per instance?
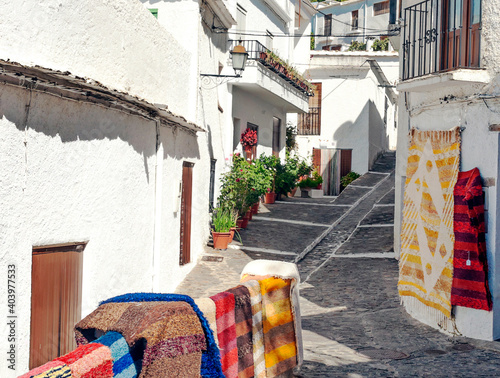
(223, 220)
(380, 45)
(357, 46)
(291, 133)
(313, 42)
(311, 182)
(350, 177)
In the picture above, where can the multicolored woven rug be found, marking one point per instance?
(470, 275)
(427, 238)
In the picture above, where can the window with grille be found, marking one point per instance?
(354, 20)
(381, 8)
(328, 25)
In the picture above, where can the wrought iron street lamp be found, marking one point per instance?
(239, 56)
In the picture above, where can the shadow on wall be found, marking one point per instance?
(366, 136)
(379, 140)
(72, 121)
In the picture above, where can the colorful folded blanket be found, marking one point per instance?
(89, 361)
(260, 269)
(279, 330)
(226, 333)
(52, 369)
(123, 364)
(470, 267)
(243, 319)
(210, 359)
(253, 287)
(207, 307)
(168, 334)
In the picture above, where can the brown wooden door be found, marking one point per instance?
(186, 202)
(345, 162)
(461, 23)
(56, 297)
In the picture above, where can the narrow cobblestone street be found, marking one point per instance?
(353, 324)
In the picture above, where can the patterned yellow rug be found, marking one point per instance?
(427, 238)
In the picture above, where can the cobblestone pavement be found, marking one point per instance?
(353, 324)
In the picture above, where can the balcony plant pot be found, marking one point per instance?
(232, 231)
(248, 152)
(255, 208)
(270, 198)
(263, 55)
(221, 239)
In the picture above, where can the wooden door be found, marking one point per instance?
(56, 297)
(186, 203)
(461, 24)
(276, 136)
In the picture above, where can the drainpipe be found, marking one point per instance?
(155, 284)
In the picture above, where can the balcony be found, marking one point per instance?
(260, 53)
(441, 36)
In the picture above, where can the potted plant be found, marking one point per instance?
(222, 222)
(248, 141)
(309, 183)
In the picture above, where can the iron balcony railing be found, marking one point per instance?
(441, 35)
(257, 51)
(310, 123)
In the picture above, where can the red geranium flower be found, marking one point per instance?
(248, 138)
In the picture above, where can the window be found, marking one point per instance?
(269, 40)
(154, 12)
(56, 300)
(211, 194)
(276, 136)
(310, 123)
(354, 20)
(256, 128)
(381, 8)
(328, 25)
(241, 16)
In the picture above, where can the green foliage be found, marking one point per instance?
(223, 219)
(244, 184)
(357, 46)
(311, 182)
(380, 45)
(313, 42)
(291, 133)
(350, 177)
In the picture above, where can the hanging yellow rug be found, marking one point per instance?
(427, 238)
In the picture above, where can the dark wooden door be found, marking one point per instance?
(461, 24)
(186, 203)
(56, 297)
(276, 136)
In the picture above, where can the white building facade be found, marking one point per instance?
(113, 143)
(446, 85)
(341, 23)
(354, 108)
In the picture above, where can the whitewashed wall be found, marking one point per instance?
(89, 173)
(352, 109)
(457, 104)
(116, 42)
(248, 108)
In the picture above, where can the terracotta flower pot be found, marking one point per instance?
(255, 208)
(270, 198)
(249, 214)
(292, 193)
(233, 230)
(221, 239)
(239, 222)
(244, 223)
